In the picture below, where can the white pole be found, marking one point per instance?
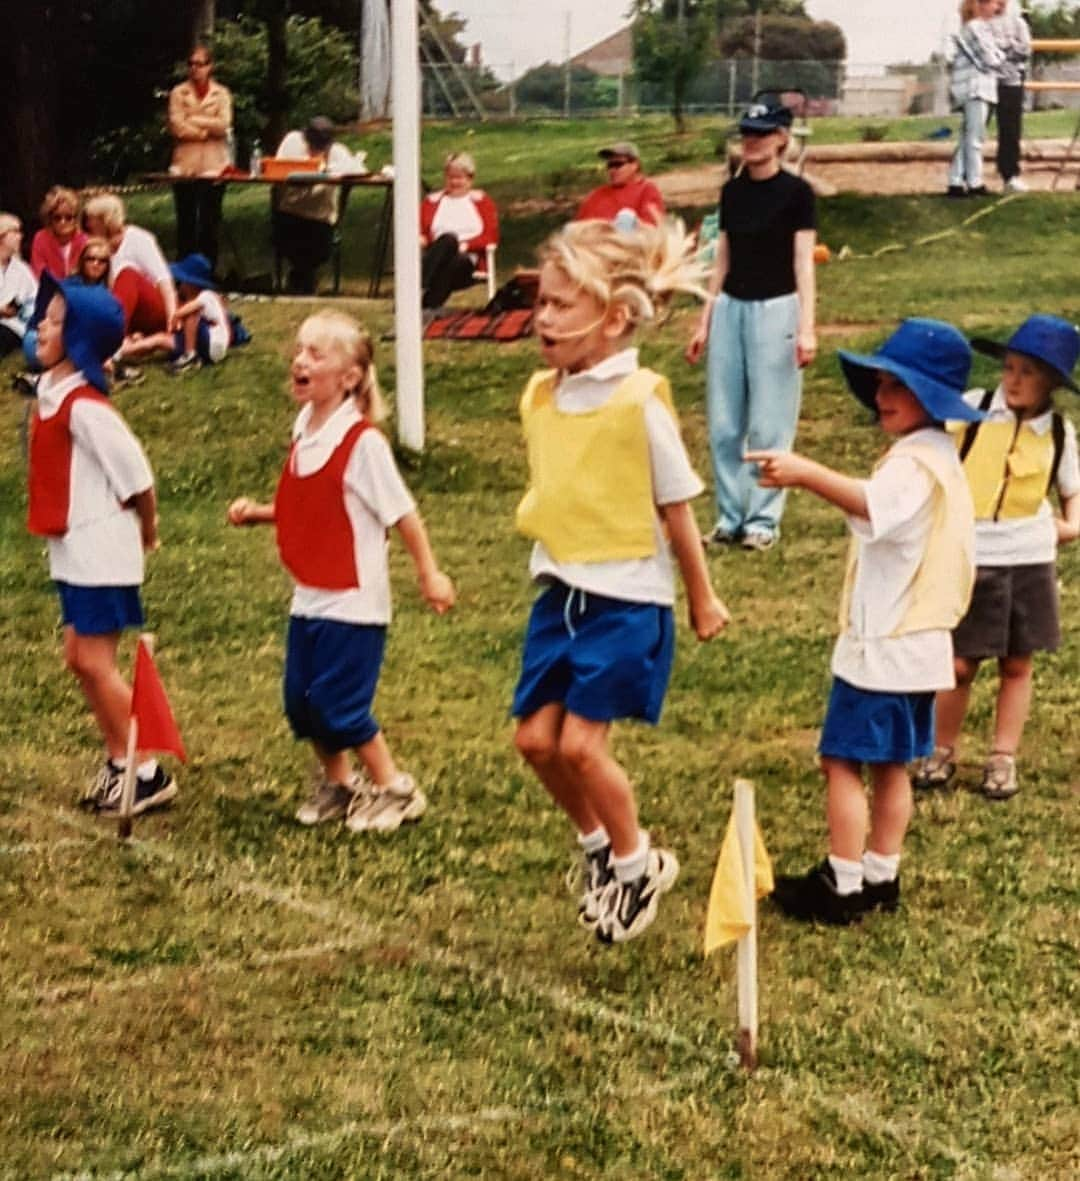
(746, 967)
(406, 100)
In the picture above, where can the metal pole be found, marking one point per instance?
(407, 347)
(757, 52)
(566, 67)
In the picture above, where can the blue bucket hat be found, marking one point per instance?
(930, 357)
(196, 270)
(1049, 339)
(93, 324)
(764, 117)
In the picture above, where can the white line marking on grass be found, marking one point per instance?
(26, 847)
(208, 1166)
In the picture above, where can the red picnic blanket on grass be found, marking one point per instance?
(512, 325)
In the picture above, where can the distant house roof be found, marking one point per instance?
(612, 56)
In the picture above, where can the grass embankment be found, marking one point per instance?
(234, 997)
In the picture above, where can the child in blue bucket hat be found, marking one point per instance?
(909, 576)
(91, 496)
(1013, 462)
(201, 332)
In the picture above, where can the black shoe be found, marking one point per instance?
(956, 191)
(881, 896)
(151, 793)
(979, 191)
(812, 897)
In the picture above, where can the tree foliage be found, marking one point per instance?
(672, 41)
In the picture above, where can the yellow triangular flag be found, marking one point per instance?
(728, 916)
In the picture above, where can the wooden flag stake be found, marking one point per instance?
(746, 949)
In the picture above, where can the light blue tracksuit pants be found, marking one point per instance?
(753, 391)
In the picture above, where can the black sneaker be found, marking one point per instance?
(590, 876)
(881, 895)
(812, 897)
(628, 908)
(155, 792)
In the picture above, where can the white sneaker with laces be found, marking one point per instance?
(329, 801)
(629, 908)
(389, 807)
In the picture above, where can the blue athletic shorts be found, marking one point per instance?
(870, 727)
(99, 610)
(601, 658)
(331, 672)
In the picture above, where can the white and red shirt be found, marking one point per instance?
(375, 498)
(472, 218)
(102, 545)
(139, 249)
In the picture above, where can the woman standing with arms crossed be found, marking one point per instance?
(758, 326)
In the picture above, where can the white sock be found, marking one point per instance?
(147, 770)
(849, 874)
(629, 869)
(880, 867)
(593, 842)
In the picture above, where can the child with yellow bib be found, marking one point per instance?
(607, 506)
(1013, 461)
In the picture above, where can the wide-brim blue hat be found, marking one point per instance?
(93, 324)
(196, 270)
(1049, 339)
(930, 357)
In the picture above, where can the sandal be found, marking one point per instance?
(999, 776)
(934, 771)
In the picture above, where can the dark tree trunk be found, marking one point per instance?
(277, 12)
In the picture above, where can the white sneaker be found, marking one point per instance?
(329, 801)
(389, 807)
(629, 908)
(1015, 185)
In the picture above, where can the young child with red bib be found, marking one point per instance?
(92, 498)
(339, 493)
(608, 507)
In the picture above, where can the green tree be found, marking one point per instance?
(672, 41)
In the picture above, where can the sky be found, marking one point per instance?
(517, 34)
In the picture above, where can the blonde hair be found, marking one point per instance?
(640, 268)
(342, 334)
(56, 199)
(460, 160)
(8, 221)
(107, 209)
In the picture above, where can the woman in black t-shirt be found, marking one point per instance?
(758, 327)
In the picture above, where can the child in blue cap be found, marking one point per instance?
(201, 331)
(909, 576)
(1013, 462)
(91, 496)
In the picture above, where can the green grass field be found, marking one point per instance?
(233, 997)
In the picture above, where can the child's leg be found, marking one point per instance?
(537, 739)
(598, 778)
(951, 705)
(846, 807)
(890, 812)
(145, 345)
(1013, 702)
(336, 764)
(191, 331)
(92, 659)
(378, 761)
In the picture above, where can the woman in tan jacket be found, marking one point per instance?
(200, 119)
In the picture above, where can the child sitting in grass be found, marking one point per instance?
(339, 493)
(1013, 461)
(609, 484)
(92, 497)
(201, 328)
(909, 577)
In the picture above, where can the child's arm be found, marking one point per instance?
(787, 469)
(145, 505)
(708, 615)
(243, 511)
(437, 589)
(1068, 524)
(183, 311)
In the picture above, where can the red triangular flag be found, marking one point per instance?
(150, 708)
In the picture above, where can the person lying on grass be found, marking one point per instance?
(339, 493)
(608, 478)
(909, 578)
